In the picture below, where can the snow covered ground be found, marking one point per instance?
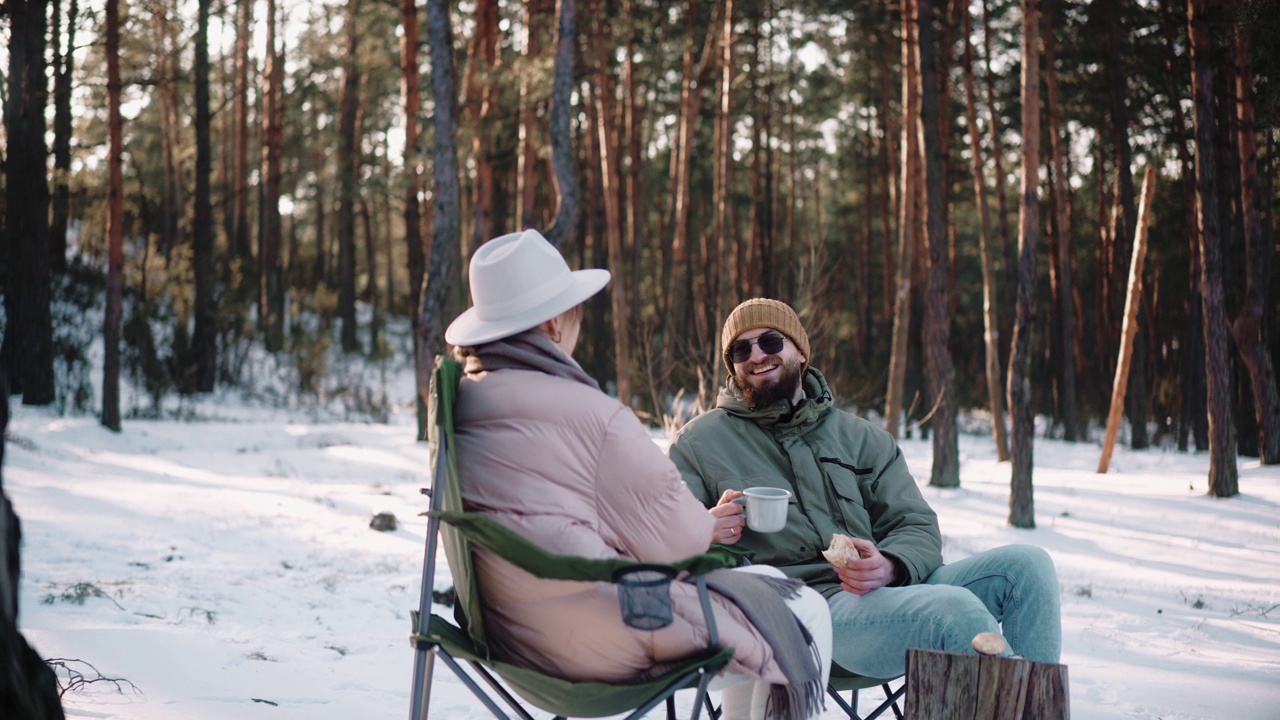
(225, 568)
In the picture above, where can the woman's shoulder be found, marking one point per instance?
(516, 391)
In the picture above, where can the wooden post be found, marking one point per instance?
(951, 686)
(1130, 327)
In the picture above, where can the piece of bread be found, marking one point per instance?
(841, 551)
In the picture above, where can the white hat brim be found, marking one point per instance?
(468, 330)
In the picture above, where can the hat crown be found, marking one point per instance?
(514, 272)
(518, 281)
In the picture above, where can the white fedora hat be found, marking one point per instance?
(519, 281)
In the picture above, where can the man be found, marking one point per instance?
(775, 424)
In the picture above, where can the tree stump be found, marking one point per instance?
(951, 686)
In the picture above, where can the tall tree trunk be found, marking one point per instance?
(1223, 473)
(478, 90)
(719, 242)
(204, 345)
(348, 171)
(694, 79)
(115, 227)
(908, 216)
(410, 95)
(63, 66)
(172, 202)
(226, 135)
(241, 242)
(990, 319)
(1065, 272)
(1192, 412)
(270, 287)
(610, 176)
(862, 272)
(537, 13)
(564, 227)
(27, 352)
(1021, 502)
(448, 211)
(320, 200)
(371, 262)
(769, 274)
(758, 261)
(889, 172)
(635, 226)
(1249, 328)
(1008, 253)
(1138, 398)
(939, 370)
(676, 260)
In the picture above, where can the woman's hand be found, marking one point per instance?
(873, 570)
(729, 519)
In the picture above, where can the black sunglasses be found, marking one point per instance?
(770, 344)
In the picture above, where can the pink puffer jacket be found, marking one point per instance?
(573, 470)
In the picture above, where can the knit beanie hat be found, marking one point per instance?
(762, 312)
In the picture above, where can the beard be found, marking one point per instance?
(784, 387)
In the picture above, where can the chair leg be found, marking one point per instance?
(713, 712)
(891, 698)
(423, 666)
(849, 709)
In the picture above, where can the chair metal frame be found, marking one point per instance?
(853, 684)
(431, 632)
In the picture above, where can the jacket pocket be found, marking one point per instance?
(847, 480)
(851, 468)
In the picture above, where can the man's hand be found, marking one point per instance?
(872, 571)
(729, 519)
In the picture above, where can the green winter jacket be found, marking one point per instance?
(845, 474)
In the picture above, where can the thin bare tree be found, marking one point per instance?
(447, 219)
(564, 227)
(1249, 326)
(939, 370)
(1224, 476)
(604, 94)
(1021, 502)
(241, 243)
(908, 216)
(348, 171)
(270, 271)
(990, 301)
(115, 226)
(205, 342)
(63, 67)
(1063, 263)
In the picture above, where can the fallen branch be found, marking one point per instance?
(76, 679)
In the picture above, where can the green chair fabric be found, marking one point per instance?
(464, 640)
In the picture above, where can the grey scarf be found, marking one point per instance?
(529, 350)
(762, 599)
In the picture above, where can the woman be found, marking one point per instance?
(543, 451)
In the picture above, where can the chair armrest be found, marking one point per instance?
(518, 550)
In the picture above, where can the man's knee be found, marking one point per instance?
(1031, 564)
(960, 616)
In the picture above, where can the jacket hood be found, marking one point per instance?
(781, 414)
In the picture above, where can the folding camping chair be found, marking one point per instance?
(843, 680)
(465, 642)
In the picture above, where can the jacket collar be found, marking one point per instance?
(781, 415)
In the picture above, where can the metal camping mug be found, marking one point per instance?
(766, 508)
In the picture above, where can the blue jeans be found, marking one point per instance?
(1014, 587)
